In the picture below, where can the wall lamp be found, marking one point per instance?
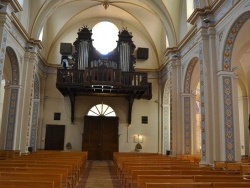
(138, 139)
(207, 20)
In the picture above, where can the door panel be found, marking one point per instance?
(54, 138)
(100, 137)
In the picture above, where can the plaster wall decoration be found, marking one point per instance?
(248, 4)
(187, 105)
(166, 101)
(202, 98)
(3, 51)
(170, 104)
(227, 85)
(228, 119)
(189, 46)
(188, 75)
(41, 66)
(11, 122)
(51, 70)
(222, 11)
(227, 54)
(220, 36)
(166, 117)
(164, 73)
(187, 122)
(16, 36)
(196, 4)
(153, 75)
(35, 112)
(29, 126)
(184, 64)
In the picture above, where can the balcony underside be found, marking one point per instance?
(103, 82)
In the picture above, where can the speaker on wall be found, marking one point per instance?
(65, 48)
(142, 53)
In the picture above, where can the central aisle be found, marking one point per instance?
(99, 174)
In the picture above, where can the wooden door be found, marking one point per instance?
(100, 137)
(54, 138)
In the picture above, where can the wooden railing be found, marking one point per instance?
(101, 76)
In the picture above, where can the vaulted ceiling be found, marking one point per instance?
(149, 20)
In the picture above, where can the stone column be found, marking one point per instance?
(11, 92)
(229, 117)
(26, 105)
(187, 122)
(175, 107)
(208, 96)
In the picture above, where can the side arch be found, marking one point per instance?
(227, 89)
(188, 103)
(12, 97)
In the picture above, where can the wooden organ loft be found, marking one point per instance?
(95, 74)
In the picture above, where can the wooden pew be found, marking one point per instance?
(179, 185)
(128, 174)
(8, 154)
(159, 165)
(133, 178)
(219, 165)
(198, 185)
(76, 161)
(26, 184)
(66, 180)
(231, 184)
(69, 164)
(56, 179)
(143, 179)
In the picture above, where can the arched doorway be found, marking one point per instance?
(100, 134)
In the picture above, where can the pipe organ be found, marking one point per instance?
(112, 74)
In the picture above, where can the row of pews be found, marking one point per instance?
(151, 170)
(9, 154)
(43, 169)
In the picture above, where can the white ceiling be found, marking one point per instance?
(150, 20)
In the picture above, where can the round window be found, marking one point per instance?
(105, 35)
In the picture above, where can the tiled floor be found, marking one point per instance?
(99, 174)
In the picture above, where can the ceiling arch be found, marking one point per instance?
(150, 19)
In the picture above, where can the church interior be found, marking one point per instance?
(169, 77)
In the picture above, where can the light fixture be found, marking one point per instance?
(105, 4)
(138, 139)
(175, 55)
(207, 20)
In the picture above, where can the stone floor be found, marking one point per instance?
(99, 174)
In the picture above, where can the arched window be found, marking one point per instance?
(101, 110)
(105, 35)
(190, 8)
(41, 35)
(20, 2)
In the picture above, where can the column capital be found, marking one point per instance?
(186, 94)
(9, 86)
(227, 73)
